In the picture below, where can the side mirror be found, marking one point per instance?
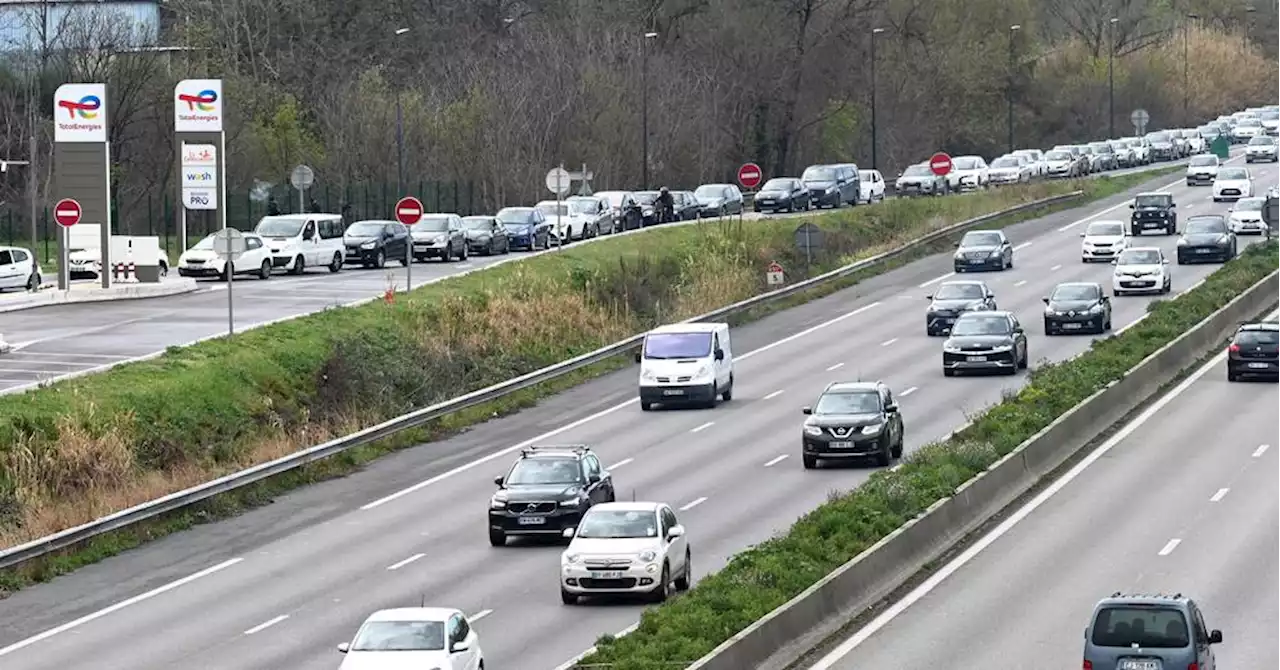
(719, 354)
(568, 532)
(1045, 300)
(637, 357)
(593, 479)
(1131, 206)
(806, 410)
(891, 407)
(1215, 637)
(1173, 205)
(498, 480)
(1081, 234)
(1106, 298)
(459, 647)
(1017, 329)
(675, 531)
(346, 646)
(1114, 261)
(1165, 261)
(955, 244)
(929, 297)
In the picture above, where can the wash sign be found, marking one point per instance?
(200, 176)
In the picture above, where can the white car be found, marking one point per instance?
(18, 269)
(1103, 241)
(1247, 129)
(1246, 216)
(84, 263)
(1141, 150)
(1232, 183)
(1261, 148)
(1009, 169)
(578, 217)
(431, 638)
(968, 173)
(1202, 169)
(1035, 160)
(1141, 270)
(626, 548)
(1060, 164)
(201, 260)
(1194, 141)
(870, 186)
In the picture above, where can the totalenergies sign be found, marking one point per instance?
(80, 113)
(197, 106)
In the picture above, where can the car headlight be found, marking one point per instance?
(368, 245)
(571, 502)
(872, 429)
(1002, 348)
(572, 558)
(499, 501)
(959, 255)
(1096, 309)
(995, 254)
(950, 348)
(1182, 241)
(832, 190)
(1223, 240)
(702, 372)
(648, 375)
(812, 430)
(1049, 311)
(648, 555)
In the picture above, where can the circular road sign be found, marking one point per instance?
(1139, 117)
(67, 212)
(409, 210)
(228, 243)
(559, 181)
(940, 164)
(302, 177)
(750, 175)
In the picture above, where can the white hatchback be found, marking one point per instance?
(202, 259)
(414, 637)
(1246, 216)
(18, 269)
(1141, 270)
(1103, 241)
(1232, 183)
(870, 186)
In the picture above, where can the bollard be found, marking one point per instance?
(4, 346)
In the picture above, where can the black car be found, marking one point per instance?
(1153, 211)
(1206, 237)
(686, 205)
(782, 193)
(626, 211)
(486, 235)
(1077, 307)
(373, 243)
(648, 201)
(1253, 352)
(548, 489)
(982, 341)
(954, 298)
(831, 185)
(852, 420)
(983, 250)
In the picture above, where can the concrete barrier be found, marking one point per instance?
(775, 641)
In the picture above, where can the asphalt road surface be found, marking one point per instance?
(1188, 502)
(279, 586)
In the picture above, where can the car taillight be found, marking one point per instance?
(1193, 666)
(1088, 665)
(1234, 348)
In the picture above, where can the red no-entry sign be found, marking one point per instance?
(409, 210)
(750, 175)
(67, 212)
(940, 164)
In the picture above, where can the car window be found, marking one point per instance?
(309, 230)
(1135, 626)
(677, 345)
(1152, 200)
(615, 523)
(400, 636)
(252, 243)
(1249, 205)
(669, 518)
(982, 325)
(981, 239)
(1074, 292)
(848, 402)
(1233, 173)
(463, 629)
(545, 471)
(1139, 257)
(593, 465)
(1201, 225)
(1201, 161)
(1105, 228)
(6, 258)
(960, 291)
(1258, 337)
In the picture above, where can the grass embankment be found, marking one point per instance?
(757, 581)
(83, 448)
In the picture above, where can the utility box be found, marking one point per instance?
(140, 257)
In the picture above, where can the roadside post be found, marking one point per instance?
(809, 238)
(82, 170)
(558, 182)
(302, 178)
(940, 165)
(773, 274)
(229, 245)
(1139, 118)
(408, 212)
(198, 112)
(749, 176)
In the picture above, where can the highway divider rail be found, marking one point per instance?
(72, 536)
(775, 641)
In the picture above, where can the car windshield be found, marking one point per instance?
(960, 291)
(614, 198)
(1058, 156)
(545, 471)
(516, 216)
(431, 224)
(1149, 627)
(1105, 228)
(646, 197)
(980, 324)
(865, 175)
(1258, 337)
(917, 171)
(677, 345)
(551, 209)
(400, 636)
(1135, 142)
(1139, 257)
(1190, 134)
(1157, 137)
(1261, 142)
(1006, 162)
(857, 402)
(977, 239)
(583, 206)
(1207, 130)
(1207, 224)
(1074, 292)
(1270, 115)
(1201, 161)
(1151, 200)
(709, 191)
(1233, 173)
(1249, 205)
(365, 229)
(819, 174)
(1250, 123)
(1101, 147)
(963, 163)
(777, 185)
(612, 523)
(280, 226)
(477, 222)
(205, 244)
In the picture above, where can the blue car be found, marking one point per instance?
(527, 228)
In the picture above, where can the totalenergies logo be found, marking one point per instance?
(202, 101)
(86, 107)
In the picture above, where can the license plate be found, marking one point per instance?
(1259, 366)
(977, 359)
(1070, 326)
(1204, 251)
(975, 261)
(673, 392)
(766, 202)
(1130, 664)
(610, 574)
(841, 445)
(532, 521)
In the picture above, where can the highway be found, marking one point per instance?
(279, 586)
(1187, 502)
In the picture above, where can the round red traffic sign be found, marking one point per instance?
(775, 266)
(940, 163)
(750, 175)
(409, 210)
(67, 212)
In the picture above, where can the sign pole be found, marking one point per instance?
(560, 234)
(408, 211)
(64, 258)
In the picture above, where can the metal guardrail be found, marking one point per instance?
(148, 510)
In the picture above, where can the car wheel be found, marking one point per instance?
(466, 252)
(810, 462)
(33, 282)
(660, 592)
(947, 372)
(884, 457)
(380, 261)
(299, 265)
(897, 448)
(646, 406)
(497, 538)
(568, 598)
(264, 272)
(1048, 328)
(446, 256)
(686, 577)
(1231, 376)
(727, 394)
(335, 265)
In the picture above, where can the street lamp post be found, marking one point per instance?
(1247, 12)
(1111, 79)
(874, 33)
(1186, 68)
(1009, 84)
(644, 107)
(399, 134)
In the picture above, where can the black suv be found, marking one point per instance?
(852, 420)
(1253, 352)
(1077, 307)
(985, 341)
(952, 299)
(1153, 211)
(548, 489)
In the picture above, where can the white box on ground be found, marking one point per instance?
(85, 236)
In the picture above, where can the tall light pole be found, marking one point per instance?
(644, 107)
(1247, 12)
(874, 33)
(1186, 69)
(399, 134)
(1111, 80)
(1013, 29)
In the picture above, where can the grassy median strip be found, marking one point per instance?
(760, 579)
(84, 448)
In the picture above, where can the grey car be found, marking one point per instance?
(918, 179)
(485, 235)
(954, 298)
(1149, 632)
(719, 199)
(439, 236)
(985, 342)
(983, 250)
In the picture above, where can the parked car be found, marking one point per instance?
(18, 268)
(202, 260)
(439, 236)
(595, 213)
(1061, 164)
(1195, 143)
(1125, 155)
(1141, 150)
(527, 228)
(918, 179)
(486, 235)
(1009, 169)
(830, 186)
(567, 224)
(870, 186)
(1162, 147)
(624, 208)
(782, 193)
(719, 199)
(373, 243)
(1096, 160)
(1035, 160)
(686, 205)
(968, 173)
(299, 241)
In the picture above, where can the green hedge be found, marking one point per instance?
(760, 579)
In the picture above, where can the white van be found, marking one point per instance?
(299, 241)
(686, 364)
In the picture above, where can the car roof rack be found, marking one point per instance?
(1171, 596)
(546, 448)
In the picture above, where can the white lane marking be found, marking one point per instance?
(266, 624)
(935, 280)
(1020, 282)
(118, 606)
(1055, 268)
(568, 665)
(480, 615)
(401, 564)
(1024, 245)
(776, 461)
(1169, 547)
(463, 266)
(888, 342)
(908, 392)
(690, 505)
(837, 366)
(1257, 453)
(621, 463)
(773, 395)
(1222, 493)
(19, 346)
(1195, 285)
(1133, 323)
(934, 580)
(592, 417)
(703, 427)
